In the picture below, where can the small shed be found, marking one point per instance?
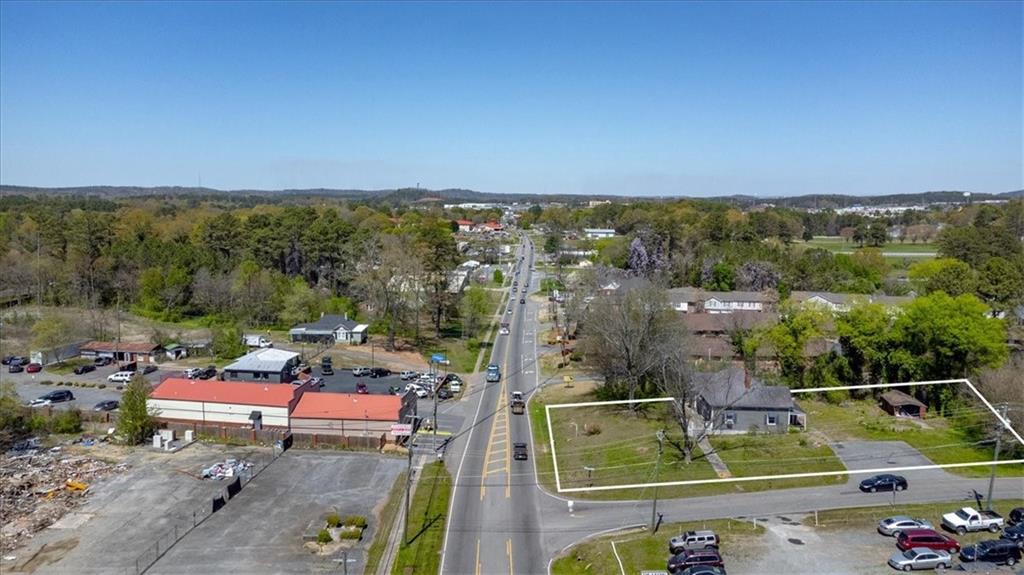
(897, 403)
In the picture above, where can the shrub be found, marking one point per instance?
(591, 429)
(350, 534)
(60, 383)
(69, 421)
(355, 521)
(324, 537)
(333, 520)
(101, 386)
(46, 382)
(38, 422)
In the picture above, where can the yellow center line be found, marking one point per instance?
(508, 546)
(477, 557)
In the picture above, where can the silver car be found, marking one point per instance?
(920, 558)
(897, 524)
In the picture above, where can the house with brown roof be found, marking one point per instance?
(897, 403)
(123, 352)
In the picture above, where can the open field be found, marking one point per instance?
(621, 448)
(941, 439)
(837, 244)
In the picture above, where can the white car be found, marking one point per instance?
(503, 331)
(455, 386)
(360, 371)
(193, 372)
(417, 389)
(407, 375)
(121, 377)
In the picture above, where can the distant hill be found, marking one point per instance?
(459, 195)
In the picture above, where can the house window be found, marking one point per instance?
(771, 420)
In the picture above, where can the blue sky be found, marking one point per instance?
(635, 99)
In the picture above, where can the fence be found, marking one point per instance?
(270, 436)
(182, 525)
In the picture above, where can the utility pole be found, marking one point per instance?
(408, 482)
(657, 467)
(999, 444)
(435, 387)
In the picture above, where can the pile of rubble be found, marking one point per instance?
(39, 486)
(225, 469)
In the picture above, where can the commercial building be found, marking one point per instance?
(122, 352)
(351, 413)
(232, 403)
(268, 365)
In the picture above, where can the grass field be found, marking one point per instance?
(388, 523)
(622, 449)
(427, 516)
(641, 551)
(939, 438)
(837, 244)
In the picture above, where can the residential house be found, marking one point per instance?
(733, 301)
(240, 404)
(684, 299)
(123, 352)
(842, 302)
(731, 401)
(465, 226)
(351, 413)
(270, 365)
(330, 329)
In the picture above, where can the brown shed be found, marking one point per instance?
(897, 403)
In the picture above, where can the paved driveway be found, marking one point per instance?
(887, 455)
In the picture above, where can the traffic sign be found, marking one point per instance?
(401, 429)
(437, 358)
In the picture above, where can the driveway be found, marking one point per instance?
(886, 455)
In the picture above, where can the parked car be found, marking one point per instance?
(417, 389)
(519, 452)
(1014, 533)
(109, 405)
(693, 558)
(315, 382)
(120, 377)
(970, 519)
(361, 388)
(514, 289)
(150, 368)
(930, 538)
(450, 378)
(33, 368)
(455, 386)
(208, 372)
(360, 371)
(15, 368)
(407, 375)
(1016, 515)
(58, 396)
(6, 360)
(691, 540)
(379, 372)
(992, 551)
(444, 393)
(920, 558)
(703, 570)
(102, 361)
(897, 524)
(18, 360)
(884, 482)
(193, 372)
(326, 369)
(83, 369)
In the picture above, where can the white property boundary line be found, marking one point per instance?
(1004, 422)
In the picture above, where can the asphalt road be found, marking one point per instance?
(494, 520)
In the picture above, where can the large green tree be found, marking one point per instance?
(952, 276)
(135, 424)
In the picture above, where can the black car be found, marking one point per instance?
(450, 378)
(17, 360)
(1014, 533)
(379, 372)
(1016, 515)
(992, 551)
(83, 369)
(6, 360)
(703, 570)
(444, 393)
(109, 405)
(15, 368)
(686, 559)
(522, 301)
(148, 369)
(54, 397)
(884, 482)
(326, 369)
(208, 372)
(519, 452)
(102, 361)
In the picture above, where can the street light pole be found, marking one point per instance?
(657, 467)
(999, 444)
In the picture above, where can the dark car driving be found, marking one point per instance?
(109, 405)
(692, 558)
(884, 482)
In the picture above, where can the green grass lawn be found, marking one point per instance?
(388, 516)
(428, 513)
(625, 449)
(642, 551)
(837, 244)
(942, 441)
(67, 367)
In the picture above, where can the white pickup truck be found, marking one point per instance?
(970, 519)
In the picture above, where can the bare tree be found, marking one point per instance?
(386, 272)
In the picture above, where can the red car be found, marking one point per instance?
(361, 388)
(927, 538)
(33, 368)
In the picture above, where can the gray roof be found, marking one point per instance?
(725, 389)
(329, 323)
(693, 294)
(268, 360)
(849, 298)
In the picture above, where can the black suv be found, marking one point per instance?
(992, 551)
(692, 558)
(376, 372)
(884, 482)
(82, 369)
(208, 372)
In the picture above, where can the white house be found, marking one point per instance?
(842, 302)
(330, 328)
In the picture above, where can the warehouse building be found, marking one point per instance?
(351, 413)
(243, 404)
(264, 365)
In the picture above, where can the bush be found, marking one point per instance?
(101, 386)
(60, 383)
(333, 520)
(351, 534)
(46, 382)
(591, 429)
(38, 422)
(355, 521)
(324, 537)
(69, 421)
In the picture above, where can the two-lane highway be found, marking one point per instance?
(493, 523)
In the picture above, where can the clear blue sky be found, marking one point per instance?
(635, 99)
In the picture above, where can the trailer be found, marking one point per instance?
(518, 404)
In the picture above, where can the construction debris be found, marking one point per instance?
(39, 486)
(227, 468)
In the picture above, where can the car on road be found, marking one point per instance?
(893, 526)
(929, 538)
(992, 551)
(884, 482)
(970, 519)
(691, 540)
(83, 369)
(920, 558)
(33, 368)
(681, 561)
(108, 405)
(120, 377)
(148, 369)
(360, 371)
(514, 289)
(326, 369)
(493, 373)
(362, 389)
(58, 396)
(15, 368)
(376, 372)
(509, 310)
(102, 361)
(1014, 533)
(316, 382)
(519, 452)
(407, 375)
(522, 300)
